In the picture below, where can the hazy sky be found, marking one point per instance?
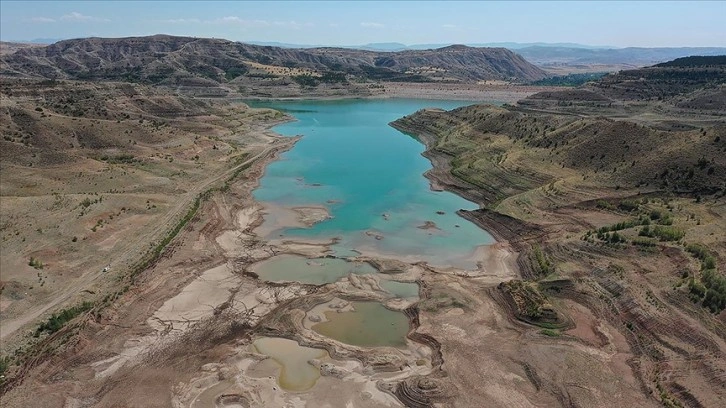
(616, 23)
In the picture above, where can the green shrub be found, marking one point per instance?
(306, 80)
(702, 253)
(550, 332)
(35, 263)
(570, 79)
(628, 205)
(56, 321)
(616, 238)
(715, 301)
(333, 77)
(624, 225)
(544, 265)
(696, 289)
(602, 204)
(663, 233)
(4, 365)
(643, 242)
(119, 159)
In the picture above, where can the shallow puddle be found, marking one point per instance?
(296, 374)
(369, 325)
(400, 289)
(315, 271)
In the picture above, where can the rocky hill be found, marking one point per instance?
(506, 151)
(673, 139)
(169, 60)
(665, 81)
(683, 87)
(578, 59)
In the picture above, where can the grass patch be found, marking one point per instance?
(644, 242)
(543, 264)
(119, 159)
(663, 233)
(551, 332)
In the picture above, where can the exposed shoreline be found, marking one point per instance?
(180, 311)
(471, 92)
(501, 254)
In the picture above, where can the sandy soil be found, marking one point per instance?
(89, 220)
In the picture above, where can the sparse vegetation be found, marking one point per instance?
(534, 172)
(550, 332)
(663, 233)
(710, 287)
(543, 264)
(5, 362)
(570, 79)
(35, 263)
(306, 80)
(119, 159)
(57, 320)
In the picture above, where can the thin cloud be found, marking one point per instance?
(239, 21)
(292, 24)
(450, 26)
(77, 17)
(180, 21)
(368, 24)
(234, 20)
(41, 20)
(230, 19)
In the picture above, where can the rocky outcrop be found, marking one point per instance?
(423, 392)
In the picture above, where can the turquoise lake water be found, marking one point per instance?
(352, 162)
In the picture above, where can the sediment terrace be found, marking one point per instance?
(575, 196)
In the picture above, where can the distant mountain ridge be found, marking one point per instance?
(634, 56)
(380, 46)
(396, 46)
(174, 60)
(557, 58)
(697, 82)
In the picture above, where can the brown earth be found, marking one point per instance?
(95, 173)
(547, 182)
(594, 323)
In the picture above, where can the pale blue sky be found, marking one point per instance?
(616, 23)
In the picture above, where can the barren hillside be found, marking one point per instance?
(616, 207)
(169, 60)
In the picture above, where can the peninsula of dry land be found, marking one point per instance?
(612, 195)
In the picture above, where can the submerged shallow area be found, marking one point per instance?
(296, 373)
(369, 324)
(370, 178)
(317, 271)
(400, 289)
